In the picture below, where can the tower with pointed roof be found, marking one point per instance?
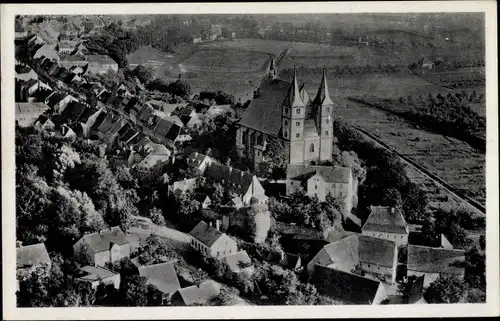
(323, 110)
(272, 70)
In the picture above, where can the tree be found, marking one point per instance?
(275, 160)
(446, 289)
(156, 216)
(144, 74)
(179, 88)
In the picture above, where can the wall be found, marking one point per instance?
(320, 191)
(399, 239)
(224, 246)
(200, 247)
(115, 280)
(308, 155)
(378, 269)
(381, 294)
(119, 252)
(297, 152)
(293, 186)
(101, 258)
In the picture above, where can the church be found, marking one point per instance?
(281, 110)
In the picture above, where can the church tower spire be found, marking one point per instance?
(273, 70)
(294, 92)
(323, 95)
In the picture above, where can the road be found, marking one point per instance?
(146, 225)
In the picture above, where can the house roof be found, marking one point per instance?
(162, 275)
(345, 286)
(199, 293)
(84, 117)
(109, 121)
(235, 180)
(328, 173)
(173, 132)
(101, 59)
(144, 113)
(101, 241)
(233, 260)
(236, 201)
(163, 127)
(195, 159)
(201, 197)
(264, 112)
(95, 273)
(32, 255)
(385, 219)
(206, 234)
(435, 260)
(30, 108)
(349, 251)
(100, 118)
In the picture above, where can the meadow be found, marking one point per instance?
(223, 60)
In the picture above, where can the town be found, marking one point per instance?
(138, 184)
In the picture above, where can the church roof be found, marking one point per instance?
(293, 98)
(264, 112)
(329, 173)
(304, 95)
(385, 219)
(323, 95)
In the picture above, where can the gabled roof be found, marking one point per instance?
(162, 275)
(234, 260)
(32, 255)
(199, 293)
(385, 219)
(328, 173)
(73, 111)
(435, 260)
(184, 185)
(95, 273)
(264, 112)
(101, 241)
(293, 97)
(201, 197)
(345, 286)
(163, 127)
(206, 234)
(100, 118)
(304, 95)
(235, 180)
(173, 132)
(84, 117)
(310, 129)
(323, 95)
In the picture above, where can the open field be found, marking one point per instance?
(220, 60)
(454, 161)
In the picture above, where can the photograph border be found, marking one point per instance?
(11, 312)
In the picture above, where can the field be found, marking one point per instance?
(221, 60)
(454, 161)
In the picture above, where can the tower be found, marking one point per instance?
(323, 106)
(292, 121)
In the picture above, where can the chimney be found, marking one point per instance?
(230, 169)
(196, 154)
(217, 225)
(392, 210)
(210, 224)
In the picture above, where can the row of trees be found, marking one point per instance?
(179, 87)
(441, 65)
(386, 181)
(343, 71)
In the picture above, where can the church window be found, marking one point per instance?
(259, 140)
(297, 135)
(286, 110)
(327, 109)
(326, 132)
(298, 111)
(258, 153)
(244, 139)
(316, 187)
(286, 123)
(327, 121)
(311, 148)
(297, 123)
(286, 134)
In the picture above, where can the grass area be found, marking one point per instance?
(220, 60)
(453, 160)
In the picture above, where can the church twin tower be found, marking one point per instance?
(306, 125)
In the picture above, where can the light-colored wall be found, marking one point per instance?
(224, 246)
(399, 239)
(297, 151)
(428, 277)
(308, 155)
(381, 294)
(101, 258)
(119, 252)
(115, 280)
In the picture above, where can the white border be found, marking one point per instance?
(491, 308)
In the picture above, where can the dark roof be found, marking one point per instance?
(137, 138)
(73, 111)
(108, 123)
(131, 103)
(264, 112)
(199, 293)
(344, 286)
(55, 98)
(173, 132)
(162, 275)
(235, 180)
(104, 96)
(163, 127)
(185, 119)
(125, 128)
(200, 197)
(128, 135)
(205, 233)
(32, 255)
(328, 173)
(435, 260)
(383, 219)
(101, 241)
(100, 118)
(89, 111)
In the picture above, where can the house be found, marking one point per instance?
(259, 199)
(183, 186)
(196, 294)
(72, 61)
(425, 63)
(239, 262)
(27, 75)
(31, 257)
(176, 120)
(386, 223)
(86, 120)
(235, 203)
(371, 255)
(47, 32)
(67, 132)
(44, 123)
(239, 184)
(110, 245)
(289, 261)
(347, 287)
(26, 91)
(194, 121)
(183, 136)
(211, 241)
(96, 275)
(148, 56)
(319, 181)
(100, 64)
(48, 51)
(59, 101)
(66, 47)
(73, 111)
(203, 199)
(157, 155)
(432, 262)
(28, 113)
(163, 276)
